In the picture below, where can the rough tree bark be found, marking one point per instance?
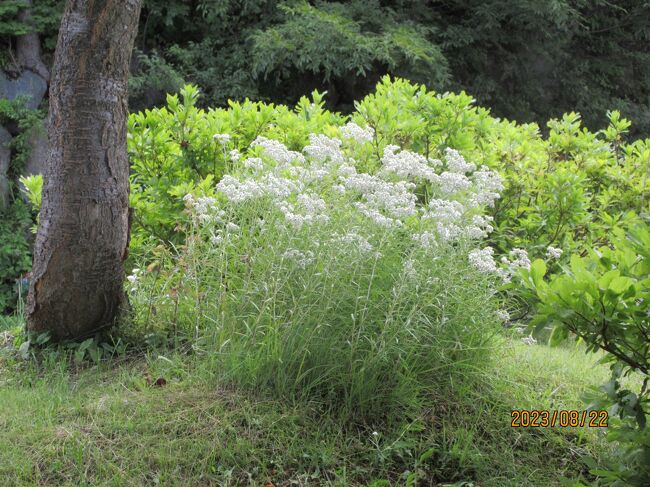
(77, 277)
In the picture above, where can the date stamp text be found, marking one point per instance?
(545, 418)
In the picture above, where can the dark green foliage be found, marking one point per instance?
(532, 60)
(529, 60)
(14, 113)
(15, 252)
(45, 19)
(9, 24)
(15, 258)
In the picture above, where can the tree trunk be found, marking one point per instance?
(77, 278)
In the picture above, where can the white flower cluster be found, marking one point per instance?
(323, 149)
(134, 276)
(223, 139)
(301, 186)
(456, 163)
(553, 252)
(301, 259)
(359, 135)
(269, 185)
(427, 239)
(455, 221)
(309, 209)
(253, 163)
(451, 183)
(483, 259)
(134, 279)
(277, 151)
(518, 258)
(480, 227)
(384, 202)
(487, 187)
(406, 164)
(204, 204)
(444, 211)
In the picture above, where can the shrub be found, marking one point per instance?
(602, 299)
(173, 152)
(310, 277)
(567, 191)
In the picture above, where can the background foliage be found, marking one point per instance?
(528, 60)
(569, 189)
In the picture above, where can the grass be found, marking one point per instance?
(112, 425)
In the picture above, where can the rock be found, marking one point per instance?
(4, 192)
(27, 84)
(5, 159)
(38, 150)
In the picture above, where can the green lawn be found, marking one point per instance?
(107, 425)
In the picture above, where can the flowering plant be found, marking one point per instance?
(315, 277)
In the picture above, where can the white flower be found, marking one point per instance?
(310, 209)
(235, 155)
(396, 199)
(134, 278)
(322, 148)
(223, 139)
(480, 227)
(346, 171)
(483, 259)
(407, 164)
(553, 252)
(444, 210)
(254, 163)
(452, 182)
(448, 232)
(203, 206)
(456, 163)
(487, 187)
(519, 259)
(277, 151)
(239, 191)
(376, 216)
(352, 131)
(302, 259)
(427, 240)
(303, 189)
(312, 205)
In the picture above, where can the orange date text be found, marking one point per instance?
(544, 418)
